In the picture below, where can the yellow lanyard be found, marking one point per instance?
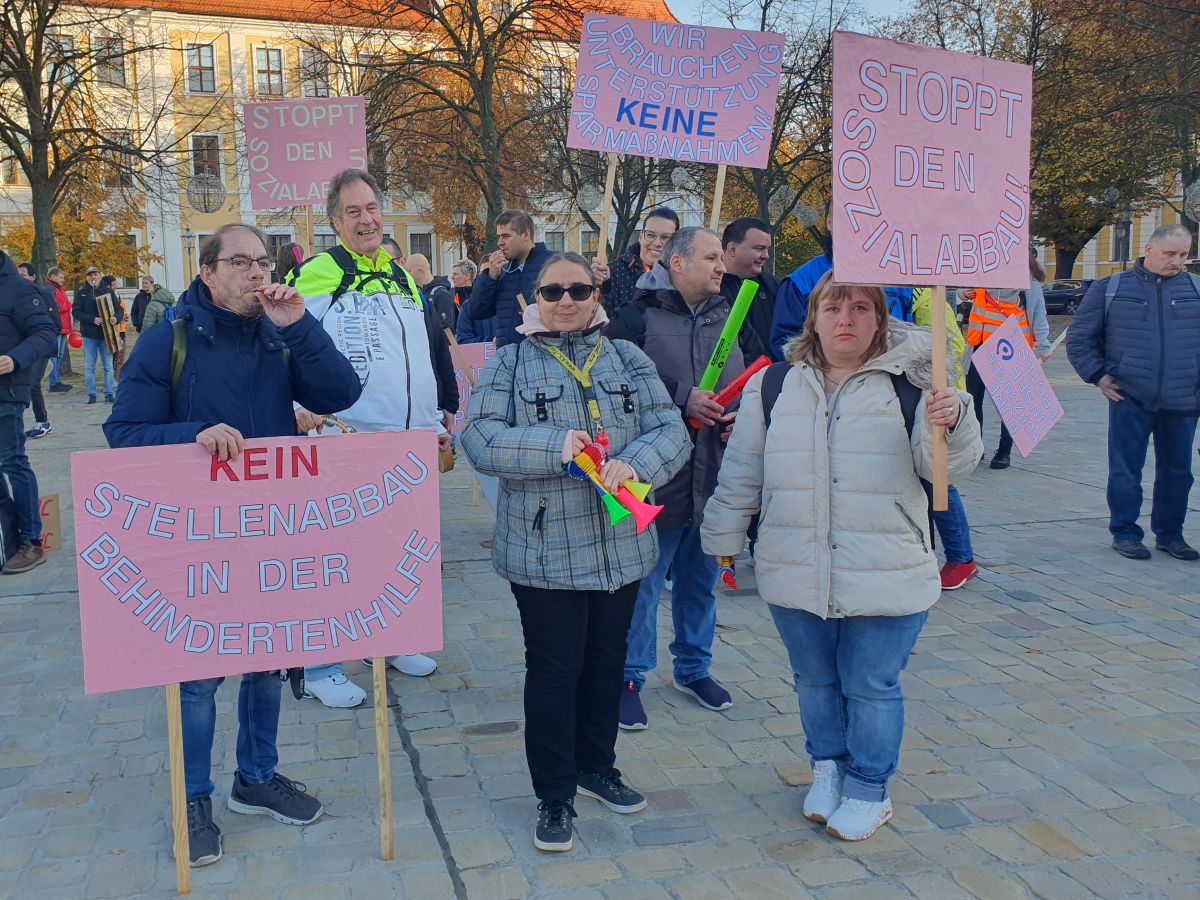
(583, 376)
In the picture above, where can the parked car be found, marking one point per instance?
(1064, 296)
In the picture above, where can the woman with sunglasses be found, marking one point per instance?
(574, 575)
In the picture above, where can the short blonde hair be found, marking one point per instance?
(808, 347)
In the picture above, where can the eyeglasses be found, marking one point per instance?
(242, 263)
(579, 292)
(652, 238)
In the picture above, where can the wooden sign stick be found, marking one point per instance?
(521, 303)
(610, 183)
(183, 853)
(383, 758)
(941, 478)
(474, 491)
(718, 194)
(1057, 341)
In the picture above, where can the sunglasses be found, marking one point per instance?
(579, 292)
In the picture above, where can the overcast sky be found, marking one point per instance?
(689, 10)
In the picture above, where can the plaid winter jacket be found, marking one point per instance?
(552, 531)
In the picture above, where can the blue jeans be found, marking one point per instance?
(1129, 430)
(952, 526)
(258, 723)
(91, 348)
(56, 360)
(693, 608)
(15, 464)
(847, 674)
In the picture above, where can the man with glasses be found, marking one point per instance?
(658, 227)
(249, 351)
(86, 310)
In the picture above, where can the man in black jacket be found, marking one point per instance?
(658, 227)
(141, 301)
(747, 244)
(36, 399)
(436, 289)
(27, 336)
(87, 313)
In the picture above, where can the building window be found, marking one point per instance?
(268, 69)
(370, 71)
(554, 83)
(314, 73)
(110, 59)
(11, 172)
(421, 242)
(556, 241)
(122, 163)
(130, 279)
(377, 163)
(323, 242)
(206, 155)
(63, 60)
(588, 242)
(201, 70)
(275, 243)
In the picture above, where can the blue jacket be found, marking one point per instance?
(234, 372)
(27, 331)
(468, 331)
(1148, 339)
(791, 303)
(491, 297)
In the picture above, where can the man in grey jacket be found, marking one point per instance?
(676, 317)
(1136, 336)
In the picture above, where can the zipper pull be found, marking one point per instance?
(541, 514)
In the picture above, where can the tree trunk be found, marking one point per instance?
(41, 190)
(1064, 261)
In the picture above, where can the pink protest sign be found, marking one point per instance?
(303, 551)
(293, 148)
(1018, 386)
(930, 166)
(476, 357)
(674, 91)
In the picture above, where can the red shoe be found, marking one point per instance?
(955, 575)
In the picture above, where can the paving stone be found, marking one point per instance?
(765, 884)
(507, 883)
(944, 815)
(1051, 839)
(676, 830)
(819, 872)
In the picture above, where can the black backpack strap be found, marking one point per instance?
(910, 396)
(772, 384)
(349, 270)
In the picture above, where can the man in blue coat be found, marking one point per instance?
(511, 269)
(1136, 336)
(248, 351)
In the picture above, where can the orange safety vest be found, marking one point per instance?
(988, 314)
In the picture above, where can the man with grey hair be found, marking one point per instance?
(435, 289)
(374, 311)
(1136, 336)
(676, 317)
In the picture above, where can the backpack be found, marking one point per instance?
(350, 272)
(1114, 284)
(169, 313)
(908, 393)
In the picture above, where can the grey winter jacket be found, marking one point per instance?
(1148, 339)
(681, 343)
(552, 531)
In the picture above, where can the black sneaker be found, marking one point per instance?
(999, 461)
(610, 790)
(204, 837)
(707, 691)
(632, 715)
(91, 399)
(280, 798)
(60, 388)
(554, 826)
(108, 398)
(1131, 549)
(1180, 549)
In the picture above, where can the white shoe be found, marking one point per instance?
(415, 664)
(335, 690)
(825, 795)
(857, 820)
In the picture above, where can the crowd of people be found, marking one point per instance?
(820, 475)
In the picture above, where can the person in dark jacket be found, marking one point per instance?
(87, 314)
(436, 289)
(1136, 336)
(236, 384)
(140, 301)
(27, 334)
(676, 319)
(658, 228)
(510, 270)
(37, 400)
(747, 243)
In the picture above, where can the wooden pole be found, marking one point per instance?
(183, 853)
(1057, 341)
(310, 235)
(941, 481)
(521, 303)
(383, 757)
(718, 194)
(474, 491)
(610, 183)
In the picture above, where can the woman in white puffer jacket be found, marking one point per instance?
(843, 555)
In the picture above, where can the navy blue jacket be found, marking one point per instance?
(27, 331)
(1149, 339)
(468, 331)
(235, 373)
(498, 297)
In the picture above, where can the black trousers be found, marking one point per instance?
(36, 399)
(978, 390)
(574, 665)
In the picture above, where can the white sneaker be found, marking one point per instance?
(857, 820)
(415, 664)
(826, 792)
(335, 690)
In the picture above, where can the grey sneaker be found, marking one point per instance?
(554, 828)
(609, 789)
(280, 798)
(1131, 549)
(204, 837)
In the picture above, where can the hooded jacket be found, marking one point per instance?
(552, 531)
(498, 297)
(681, 342)
(235, 372)
(1148, 338)
(844, 518)
(27, 331)
(156, 309)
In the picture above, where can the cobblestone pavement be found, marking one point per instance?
(1052, 748)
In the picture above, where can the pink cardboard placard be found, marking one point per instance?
(1014, 378)
(673, 91)
(930, 166)
(476, 357)
(304, 551)
(293, 148)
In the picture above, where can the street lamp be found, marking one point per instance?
(459, 218)
(1125, 234)
(189, 236)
